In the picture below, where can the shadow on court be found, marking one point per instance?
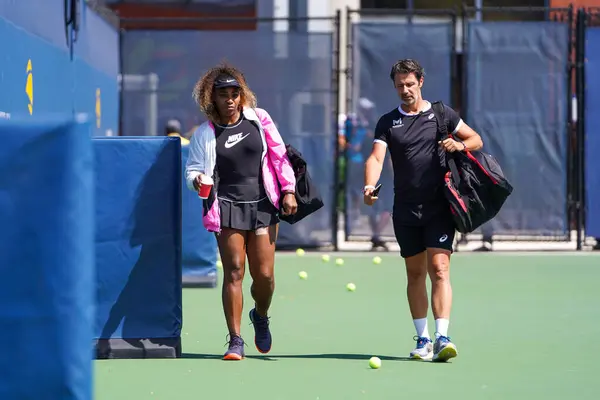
(298, 356)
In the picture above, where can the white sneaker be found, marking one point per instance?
(424, 349)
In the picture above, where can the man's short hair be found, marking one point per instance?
(407, 66)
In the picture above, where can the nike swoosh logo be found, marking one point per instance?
(229, 145)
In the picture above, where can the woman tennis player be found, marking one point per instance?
(240, 148)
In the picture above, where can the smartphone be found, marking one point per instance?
(376, 191)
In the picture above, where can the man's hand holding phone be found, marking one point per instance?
(371, 194)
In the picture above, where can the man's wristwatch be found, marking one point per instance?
(464, 146)
(368, 187)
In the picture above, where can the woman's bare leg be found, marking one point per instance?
(261, 261)
(232, 247)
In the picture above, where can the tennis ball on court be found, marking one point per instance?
(302, 274)
(339, 261)
(376, 260)
(325, 257)
(375, 362)
(300, 252)
(351, 287)
(219, 264)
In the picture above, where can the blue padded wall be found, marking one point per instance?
(46, 259)
(199, 250)
(138, 246)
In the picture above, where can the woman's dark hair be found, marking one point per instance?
(407, 66)
(204, 88)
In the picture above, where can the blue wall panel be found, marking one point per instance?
(96, 68)
(50, 73)
(63, 77)
(44, 19)
(592, 132)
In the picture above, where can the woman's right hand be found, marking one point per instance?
(197, 182)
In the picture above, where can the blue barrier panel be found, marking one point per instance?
(518, 101)
(47, 260)
(592, 132)
(199, 247)
(378, 45)
(35, 71)
(96, 67)
(138, 247)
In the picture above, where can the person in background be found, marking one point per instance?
(358, 132)
(487, 239)
(240, 148)
(173, 129)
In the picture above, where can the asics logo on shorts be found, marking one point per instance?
(235, 139)
(443, 238)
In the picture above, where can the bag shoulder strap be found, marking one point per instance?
(440, 116)
(439, 112)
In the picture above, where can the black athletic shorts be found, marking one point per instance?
(421, 226)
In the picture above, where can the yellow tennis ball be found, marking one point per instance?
(325, 257)
(376, 260)
(351, 287)
(375, 362)
(339, 261)
(303, 275)
(300, 252)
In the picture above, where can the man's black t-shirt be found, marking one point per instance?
(418, 160)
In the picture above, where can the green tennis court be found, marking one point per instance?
(526, 326)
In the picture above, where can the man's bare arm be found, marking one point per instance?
(374, 164)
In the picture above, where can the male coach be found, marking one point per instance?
(422, 222)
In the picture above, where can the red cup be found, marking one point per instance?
(206, 184)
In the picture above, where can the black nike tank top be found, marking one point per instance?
(239, 156)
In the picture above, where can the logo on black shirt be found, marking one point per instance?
(235, 139)
(396, 123)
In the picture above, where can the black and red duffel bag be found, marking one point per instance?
(475, 185)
